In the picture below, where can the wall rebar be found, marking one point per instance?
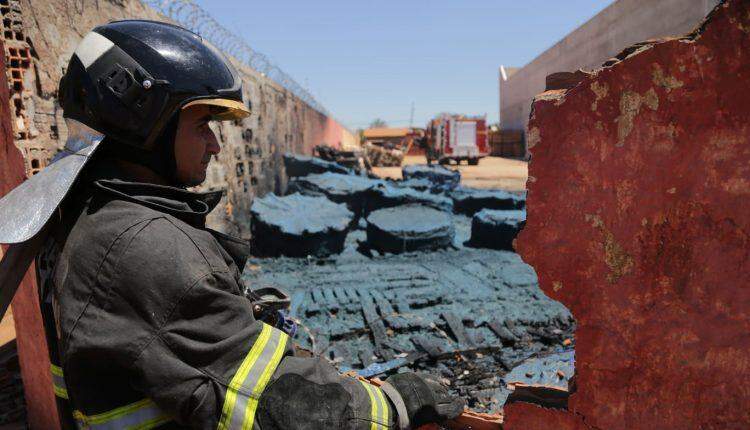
(196, 19)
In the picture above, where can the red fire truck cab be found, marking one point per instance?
(456, 138)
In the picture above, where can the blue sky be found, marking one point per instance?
(368, 59)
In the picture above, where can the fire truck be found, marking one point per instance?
(456, 138)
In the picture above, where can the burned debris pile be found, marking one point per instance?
(352, 159)
(440, 177)
(302, 165)
(388, 196)
(495, 228)
(469, 201)
(393, 287)
(542, 380)
(466, 315)
(298, 226)
(383, 156)
(347, 189)
(409, 228)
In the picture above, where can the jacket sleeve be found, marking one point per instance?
(208, 363)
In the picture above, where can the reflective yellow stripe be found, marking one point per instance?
(118, 412)
(58, 382)
(60, 392)
(373, 406)
(379, 407)
(236, 383)
(56, 370)
(383, 408)
(252, 404)
(251, 378)
(141, 415)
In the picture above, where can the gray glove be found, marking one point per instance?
(420, 399)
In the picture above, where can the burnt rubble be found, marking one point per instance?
(466, 315)
(406, 294)
(544, 380)
(347, 189)
(352, 159)
(303, 165)
(298, 226)
(495, 228)
(420, 184)
(439, 176)
(383, 156)
(408, 289)
(388, 196)
(469, 201)
(409, 228)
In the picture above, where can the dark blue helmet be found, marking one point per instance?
(128, 79)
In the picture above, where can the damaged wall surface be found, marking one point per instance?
(639, 186)
(40, 36)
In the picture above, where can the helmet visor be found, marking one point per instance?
(222, 109)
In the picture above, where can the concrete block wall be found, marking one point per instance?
(618, 26)
(41, 35)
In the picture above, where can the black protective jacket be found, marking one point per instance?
(153, 330)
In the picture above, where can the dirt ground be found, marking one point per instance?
(492, 172)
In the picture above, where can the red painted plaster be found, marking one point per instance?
(639, 222)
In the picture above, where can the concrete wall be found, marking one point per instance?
(41, 35)
(620, 25)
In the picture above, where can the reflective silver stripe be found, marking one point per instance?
(58, 381)
(93, 46)
(251, 379)
(141, 415)
(398, 402)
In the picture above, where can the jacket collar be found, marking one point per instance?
(188, 206)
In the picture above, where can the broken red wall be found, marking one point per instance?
(639, 223)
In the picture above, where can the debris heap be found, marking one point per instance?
(298, 226)
(388, 196)
(496, 229)
(466, 315)
(350, 190)
(469, 201)
(409, 228)
(404, 293)
(302, 165)
(441, 177)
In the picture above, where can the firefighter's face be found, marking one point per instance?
(195, 144)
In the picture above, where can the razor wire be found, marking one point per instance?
(196, 19)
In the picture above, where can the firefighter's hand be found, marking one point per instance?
(423, 399)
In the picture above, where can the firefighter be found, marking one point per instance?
(147, 322)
